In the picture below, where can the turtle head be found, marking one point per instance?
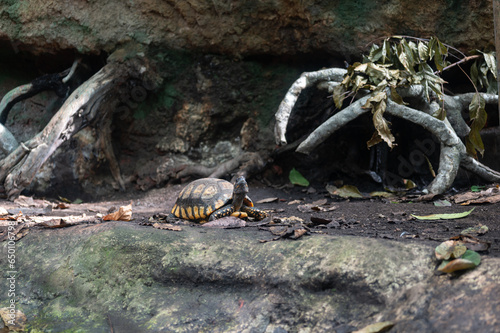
(240, 191)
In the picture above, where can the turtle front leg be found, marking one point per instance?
(254, 212)
(222, 212)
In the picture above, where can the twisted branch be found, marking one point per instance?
(453, 152)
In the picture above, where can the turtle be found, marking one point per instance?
(212, 198)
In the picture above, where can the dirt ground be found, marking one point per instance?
(376, 218)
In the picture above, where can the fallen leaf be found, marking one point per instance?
(382, 194)
(267, 200)
(470, 259)
(319, 202)
(305, 208)
(472, 243)
(448, 266)
(226, 223)
(25, 201)
(490, 195)
(17, 318)
(376, 328)
(318, 220)
(123, 214)
(297, 233)
(443, 216)
(348, 191)
(290, 220)
(296, 178)
(62, 205)
(477, 188)
(328, 208)
(409, 184)
(476, 230)
(331, 189)
(279, 230)
(54, 223)
(449, 249)
(442, 203)
(3, 211)
(294, 202)
(167, 226)
(63, 199)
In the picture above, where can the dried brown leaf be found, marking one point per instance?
(320, 202)
(62, 205)
(267, 200)
(318, 220)
(456, 265)
(472, 243)
(54, 223)
(123, 214)
(3, 211)
(294, 202)
(297, 233)
(25, 201)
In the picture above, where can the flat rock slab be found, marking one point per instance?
(133, 278)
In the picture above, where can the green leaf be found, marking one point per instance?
(423, 51)
(477, 188)
(470, 259)
(440, 114)
(440, 53)
(442, 203)
(375, 53)
(472, 256)
(443, 216)
(348, 191)
(382, 194)
(405, 56)
(296, 178)
(449, 249)
(491, 62)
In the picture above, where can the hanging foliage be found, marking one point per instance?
(399, 63)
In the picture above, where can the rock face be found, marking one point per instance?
(224, 65)
(241, 28)
(88, 278)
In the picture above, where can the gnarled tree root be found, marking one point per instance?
(18, 169)
(453, 151)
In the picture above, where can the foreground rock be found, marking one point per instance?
(141, 279)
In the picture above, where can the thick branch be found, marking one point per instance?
(305, 80)
(323, 132)
(7, 141)
(61, 127)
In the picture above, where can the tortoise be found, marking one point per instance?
(213, 198)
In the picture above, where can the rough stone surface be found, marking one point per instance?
(199, 279)
(241, 27)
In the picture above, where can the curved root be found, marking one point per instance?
(453, 152)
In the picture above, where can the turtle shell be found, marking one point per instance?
(201, 197)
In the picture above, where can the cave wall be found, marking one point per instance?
(242, 27)
(224, 68)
